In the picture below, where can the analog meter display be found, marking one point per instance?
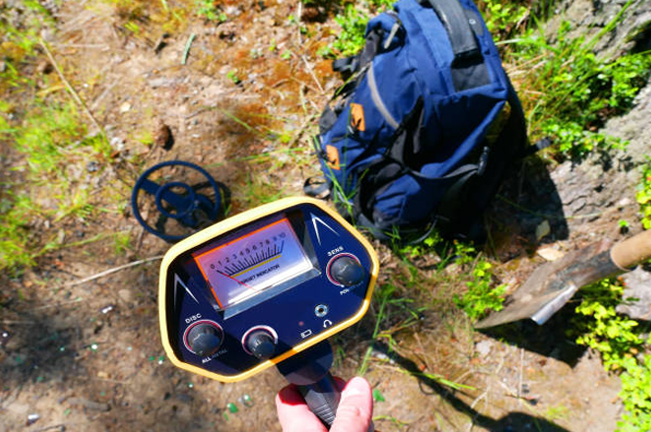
(250, 264)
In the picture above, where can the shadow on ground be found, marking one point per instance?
(512, 422)
(527, 201)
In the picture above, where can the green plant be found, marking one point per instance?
(600, 327)
(353, 22)
(286, 55)
(636, 395)
(208, 10)
(15, 213)
(501, 17)
(232, 75)
(624, 226)
(570, 91)
(619, 342)
(481, 296)
(643, 195)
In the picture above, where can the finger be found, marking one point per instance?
(355, 407)
(294, 414)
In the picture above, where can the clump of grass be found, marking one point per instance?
(47, 131)
(15, 250)
(52, 135)
(569, 92)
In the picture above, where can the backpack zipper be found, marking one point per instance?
(377, 99)
(372, 82)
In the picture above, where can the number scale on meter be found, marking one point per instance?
(254, 262)
(251, 258)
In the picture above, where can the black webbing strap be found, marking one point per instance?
(468, 68)
(456, 23)
(346, 65)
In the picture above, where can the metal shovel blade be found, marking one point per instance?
(551, 285)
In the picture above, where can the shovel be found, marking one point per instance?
(551, 285)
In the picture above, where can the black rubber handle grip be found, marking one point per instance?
(323, 398)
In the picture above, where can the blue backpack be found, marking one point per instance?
(404, 144)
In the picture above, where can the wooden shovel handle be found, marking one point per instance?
(632, 251)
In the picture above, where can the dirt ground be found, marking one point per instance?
(88, 357)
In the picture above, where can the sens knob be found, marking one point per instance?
(346, 270)
(261, 344)
(204, 339)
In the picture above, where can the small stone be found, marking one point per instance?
(92, 166)
(126, 295)
(44, 67)
(32, 418)
(550, 253)
(623, 202)
(163, 135)
(4, 337)
(483, 347)
(117, 143)
(125, 107)
(61, 236)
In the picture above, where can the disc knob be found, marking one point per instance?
(204, 339)
(346, 270)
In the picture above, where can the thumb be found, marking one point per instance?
(355, 407)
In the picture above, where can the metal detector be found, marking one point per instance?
(267, 288)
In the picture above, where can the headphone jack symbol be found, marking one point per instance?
(327, 323)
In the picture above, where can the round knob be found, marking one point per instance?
(204, 339)
(346, 270)
(261, 344)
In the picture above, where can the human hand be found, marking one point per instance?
(353, 414)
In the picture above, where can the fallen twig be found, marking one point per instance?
(59, 427)
(311, 71)
(187, 48)
(111, 271)
(69, 87)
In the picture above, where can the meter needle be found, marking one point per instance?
(231, 277)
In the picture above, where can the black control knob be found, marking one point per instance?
(347, 271)
(204, 339)
(261, 344)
